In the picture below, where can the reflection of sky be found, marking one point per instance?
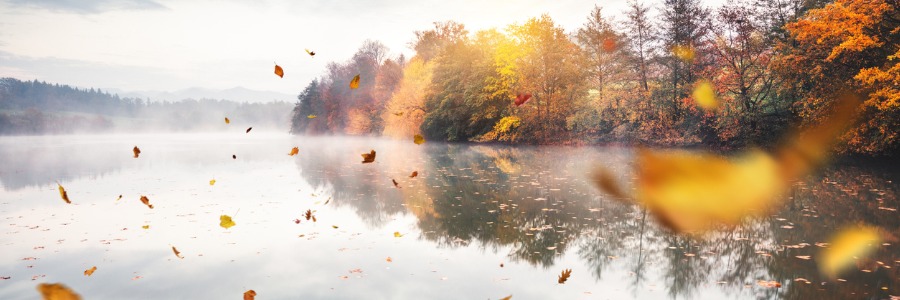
(449, 251)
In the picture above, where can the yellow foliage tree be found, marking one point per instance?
(405, 110)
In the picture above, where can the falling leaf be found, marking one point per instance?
(398, 114)
(311, 53)
(64, 195)
(609, 45)
(297, 221)
(396, 185)
(389, 259)
(507, 298)
(414, 174)
(683, 52)
(355, 82)
(311, 116)
(90, 271)
(604, 179)
(368, 157)
(227, 121)
(137, 151)
(334, 226)
(57, 291)
(177, 254)
(705, 95)
(212, 182)
(250, 295)
(327, 200)
(146, 201)
(233, 156)
(522, 98)
(564, 276)
(768, 284)
(120, 198)
(397, 234)
(418, 139)
(146, 226)
(294, 151)
(248, 129)
(804, 257)
(846, 246)
(279, 71)
(226, 222)
(308, 214)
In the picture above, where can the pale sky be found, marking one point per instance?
(161, 45)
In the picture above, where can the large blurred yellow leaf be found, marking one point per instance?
(226, 222)
(705, 95)
(689, 191)
(57, 291)
(683, 52)
(846, 246)
(355, 82)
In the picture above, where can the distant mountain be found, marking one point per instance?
(238, 94)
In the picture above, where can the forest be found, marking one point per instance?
(33, 107)
(635, 78)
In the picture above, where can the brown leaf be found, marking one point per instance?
(57, 291)
(233, 156)
(250, 295)
(137, 151)
(294, 151)
(308, 214)
(368, 157)
(418, 139)
(227, 121)
(565, 275)
(414, 174)
(177, 254)
(63, 194)
(279, 71)
(604, 180)
(248, 130)
(396, 185)
(311, 53)
(90, 271)
(506, 298)
(355, 82)
(146, 201)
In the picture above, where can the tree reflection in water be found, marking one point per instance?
(537, 204)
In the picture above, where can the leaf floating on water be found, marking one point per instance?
(418, 139)
(226, 222)
(227, 121)
(212, 182)
(57, 291)
(311, 116)
(846, 246)
(522, 98)
(90, 271)
(250, 295)
(368, 157)
(294, 151)
(803, 257)
(177, 254)
(279, 71)
(248, 129)
(146, 201)
(399, 114)
(768, 284)
(705, 95)
(564, 276)
(414, 174)
(354, 83)
(63, 194)
(396, 185)
(137, 151)
(397, 234)
(311, 53)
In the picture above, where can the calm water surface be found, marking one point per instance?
(479, 222)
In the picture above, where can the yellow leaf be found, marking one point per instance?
(146, 201)
(136, 151)
(355, 82)
(311, 53)
(250, 295)
(57, 291)
(397, 234)
(226, 222)
(418, 139)
(311, 116)
(368, 157)
(389, 259)
(705, 95)
(398, 114)
(334, 226)
(212, 182)
(847, 245)
(279, 71)
(688, 192)
(63, 194)
(177, 254)
(507, 298)
(146, 226)
(90, 271)
(120, 198)
(227, 121)
(564, 276)
(683, 52)
(294, 151)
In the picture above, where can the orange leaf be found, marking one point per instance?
(294, 151)
(368, 157)
(418, 139)
(522, 98)
(355, 82)
(146, 201)
(177, 254)
(63, 194)
(250, 295)
(137, 151)
(564, 276)
(227, 121)
(57, 291)
(414, 174)
(279, 71)
(90, 271)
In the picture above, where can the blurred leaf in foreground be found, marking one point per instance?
(57, 291)
(845, 247)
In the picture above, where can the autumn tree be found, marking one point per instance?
(684, 28)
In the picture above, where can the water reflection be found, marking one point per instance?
(471, 208)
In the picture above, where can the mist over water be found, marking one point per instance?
(470, 209)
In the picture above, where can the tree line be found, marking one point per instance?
(773, 65)
(36, 107)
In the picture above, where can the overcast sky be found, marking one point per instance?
(137, 45)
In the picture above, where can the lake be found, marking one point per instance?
(478, 222)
